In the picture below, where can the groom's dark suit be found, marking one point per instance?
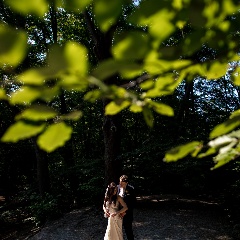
(129, 198)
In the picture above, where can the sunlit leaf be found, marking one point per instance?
(119, 92)
(32, 76)
(158, 66)
(210, 11)
(162, 108)
(131, 46)
(210, 151)
(36, 7)
(236, 76)
(113, 108)
(181, 151)
(107, 12)
(222, 159)
(235, 134)
(73, 82)
(93, 95)
(229, 8)
(147, 84)
(225, 127)
(24, 95)
(21, 130)
(76, 58)
(136, 108)
(220, 141)
(167, 27)
(235, 114)
(13, 45)
(55, 136)
(216, 70)
(163, 86)
(74, 116)
(37, 113)
(229, 147)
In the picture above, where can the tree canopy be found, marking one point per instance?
(152, 45)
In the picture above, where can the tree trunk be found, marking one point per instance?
(184, 107)
(111, 124)
(112, 141)
(42, 171)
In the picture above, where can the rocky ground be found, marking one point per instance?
(155, 218)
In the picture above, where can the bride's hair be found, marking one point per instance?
(110, 196)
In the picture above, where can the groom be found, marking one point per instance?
(127, 192)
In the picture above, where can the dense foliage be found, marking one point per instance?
(91, 89)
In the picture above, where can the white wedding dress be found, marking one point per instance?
(114, 227)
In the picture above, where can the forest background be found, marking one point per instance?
(92, 89)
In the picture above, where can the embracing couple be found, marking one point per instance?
(118, 206)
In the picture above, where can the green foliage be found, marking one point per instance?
(44, 208)
(55, 136)
(21, 130)
(13, 46)
(38, 7)
(107, 16)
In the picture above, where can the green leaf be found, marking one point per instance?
(216, 70)
(147, 84)
(36, 7)
(93, 95)
(225, 127)
(164, 85)
(167, 27)
(32, 77)
(131, 46)
(76, 5)
(21, 130)
(180, 152)
(220, 141)
(136, 107)
(13, 46)
(110, 67)
(162, 108)
(24, 95)
(113, 108)
(236, 76)
(222, 159)
(148, 116)
(235, 114)
(37, 113)
(3, 95)
(74, 116)
(56, 62)
(76, 57)
(148, 9)
(71, 82)
(158, 66)
(55, 136)
(210, 151)
(49, 93)
(107, 12)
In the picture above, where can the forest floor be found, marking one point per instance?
(155, 218)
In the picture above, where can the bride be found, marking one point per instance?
(113, 206)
